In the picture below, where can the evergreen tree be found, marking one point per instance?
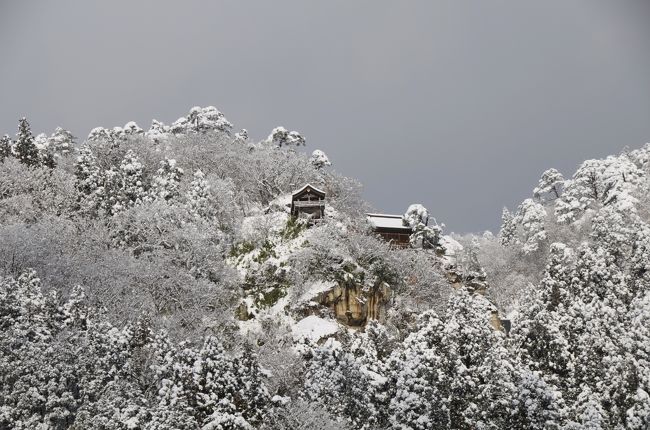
(165, 184)
(5, 147)
(532, 217)
(549, 186)
(495, 405)
(199, 197)
(319, 160)
(133, 191)
(89, 180)
(540, 331)
(539, 405)
(334, 377)
(252, 397)
(25, 149)
(280, 137)
(419, 379)
(61, 141)
(508, 232)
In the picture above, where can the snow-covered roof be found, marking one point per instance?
(318, 190)
(387, 221)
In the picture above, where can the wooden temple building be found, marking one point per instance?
(308, 202)
(391, 229)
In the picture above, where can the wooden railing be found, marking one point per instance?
(312, 203)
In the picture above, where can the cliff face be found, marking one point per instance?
(354, 305)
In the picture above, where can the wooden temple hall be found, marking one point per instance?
(391, 229)
(308, 202)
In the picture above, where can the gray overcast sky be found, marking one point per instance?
(459, 105)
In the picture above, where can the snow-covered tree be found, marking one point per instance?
(24, 148)
(469, 267)
(5, 147)
(61, 141)
(201, 120)
(494, 404)
(131, 128)
(100, 133)
(532, 217)
(612, 181)
(319, 160)
(158, 132)
(415, 214)
(334, 377)
(132, 189)
(539, 405)
(199, 197)
(280, 137)
(549, 186)
(508, 232)
(242, 136)
(420, 379)
(166, 182)
(87, 171)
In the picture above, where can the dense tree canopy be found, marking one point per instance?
(156, 280)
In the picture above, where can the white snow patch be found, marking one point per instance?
(314, 289)
(452, 249)
(314, 328)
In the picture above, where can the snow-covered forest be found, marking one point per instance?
(155, 279)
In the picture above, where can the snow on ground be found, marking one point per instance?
(314, 328)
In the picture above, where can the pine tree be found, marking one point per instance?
(89, 180)
(532, 217)
(587, 412)
(199, 197)
(25, 148)
(508, 232)
(252, 396)
(5, 147)
(335, 378)
(549, 186)
(280, 137)
(133, 191)
(319, 160)
(419, 379)
(540, 329)
(61, 141)
(539, 405)
(494, 404)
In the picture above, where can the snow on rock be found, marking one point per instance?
(452, 249)
(314, 328)
(314, 289)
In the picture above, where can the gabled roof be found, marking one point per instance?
(387, 221)
(313, 188)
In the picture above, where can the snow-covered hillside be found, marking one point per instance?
(157, 280)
